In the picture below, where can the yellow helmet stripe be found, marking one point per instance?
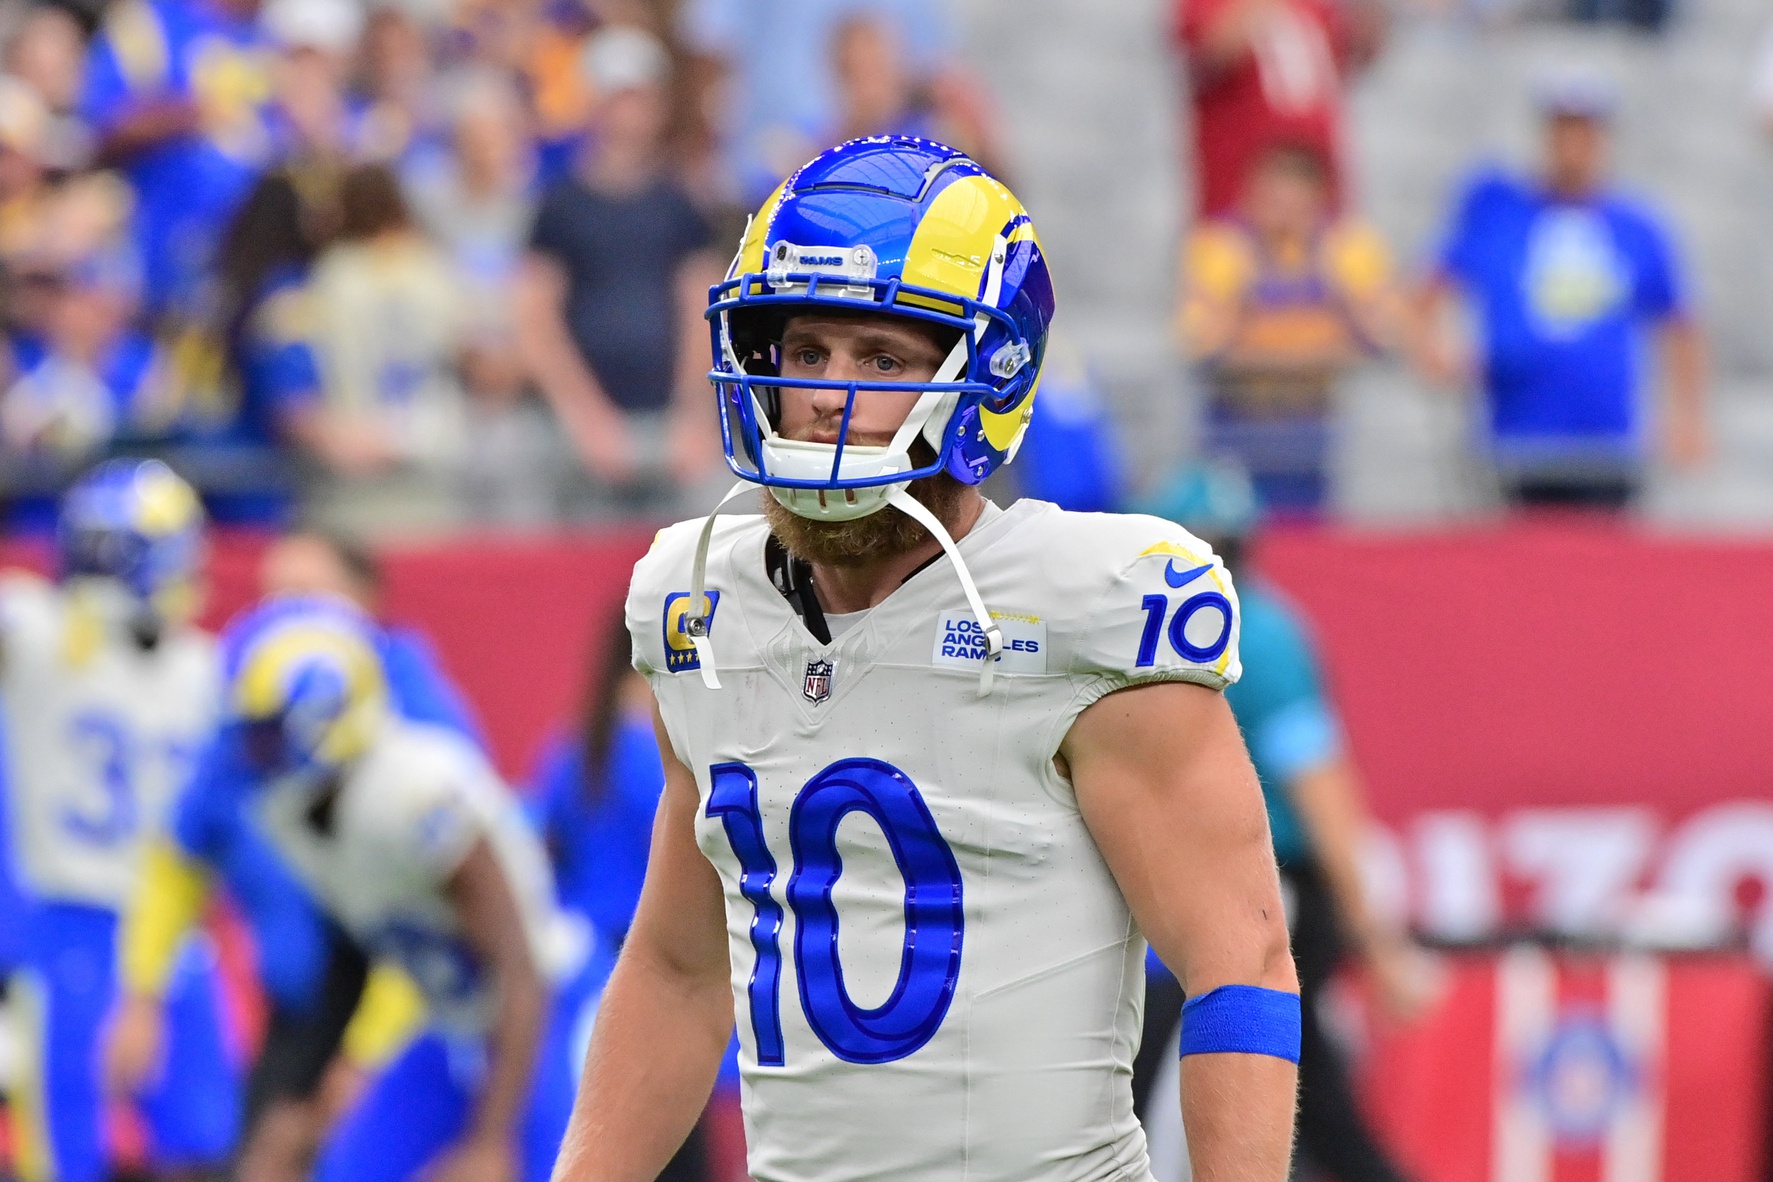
(262, 687)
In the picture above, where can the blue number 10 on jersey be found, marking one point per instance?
(929, 964)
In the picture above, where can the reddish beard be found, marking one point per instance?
(882, 534)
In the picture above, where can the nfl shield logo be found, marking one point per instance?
(817, 686)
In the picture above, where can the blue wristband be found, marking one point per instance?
(1242, 1019)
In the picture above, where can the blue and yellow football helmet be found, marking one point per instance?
(138, 525)
(906, 227)
(305, 679)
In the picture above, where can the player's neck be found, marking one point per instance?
(845, 589)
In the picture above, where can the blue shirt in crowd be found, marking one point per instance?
(784, 100)
(187, 186)
(599, 835)
(1563, 291)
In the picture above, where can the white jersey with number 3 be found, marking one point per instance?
(935, 975)
(100, 734)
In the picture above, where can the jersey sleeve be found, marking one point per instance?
(1168, 612)
(658, 598)
(431, 820)
(30, 625)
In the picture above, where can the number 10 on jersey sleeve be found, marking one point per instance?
(929, 961)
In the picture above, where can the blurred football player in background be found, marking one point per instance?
(407, 839)
(1318, 819)
(108, 690)
(1002, 803)
(320, 1042)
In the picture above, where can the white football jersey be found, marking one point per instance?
(935, 975)
(406, 815)
(100, 735)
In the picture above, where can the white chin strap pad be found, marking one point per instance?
(696, 620)
(909, 505)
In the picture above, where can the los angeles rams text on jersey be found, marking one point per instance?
(934, 974)
(100, 734)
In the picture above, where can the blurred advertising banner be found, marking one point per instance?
(1565, 725)
(1541, 1068)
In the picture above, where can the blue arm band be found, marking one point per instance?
(1243, 1019)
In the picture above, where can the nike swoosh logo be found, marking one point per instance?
(1181, 578)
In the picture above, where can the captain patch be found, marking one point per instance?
(960, 642)
(680, 650)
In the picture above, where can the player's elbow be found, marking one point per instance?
(1278, 970)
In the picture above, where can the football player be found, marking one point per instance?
(935, 770)
(407, 839)
(313, 974)
(108, 689)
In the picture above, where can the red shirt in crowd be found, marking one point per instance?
(1286, 87)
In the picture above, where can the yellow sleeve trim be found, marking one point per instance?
(167, 904)
(389, 1013)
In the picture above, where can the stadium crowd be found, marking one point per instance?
(409, 266)
(406, 266)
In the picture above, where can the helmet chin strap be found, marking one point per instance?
(695, 621)
(915, 509)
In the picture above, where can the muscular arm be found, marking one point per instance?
(666, 1015)
(487, 910)
(1168, 792)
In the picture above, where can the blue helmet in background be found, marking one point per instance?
(304, 676)
(137, 524)
(901, 226)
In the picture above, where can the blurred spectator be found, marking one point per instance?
(47, 52)
(398, 86)
(256, 374)
(1567, 277)
(1264, 72)
(1279, 301)
(1070, 455)
(1761, 86)
(613, 291)
(92, 375)
(878, 94)
(177, 92)
(478, 203)
(560, 94)
(84, 374)
(24, 128)
(770, 64)
(315, 126)
(388, 330)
